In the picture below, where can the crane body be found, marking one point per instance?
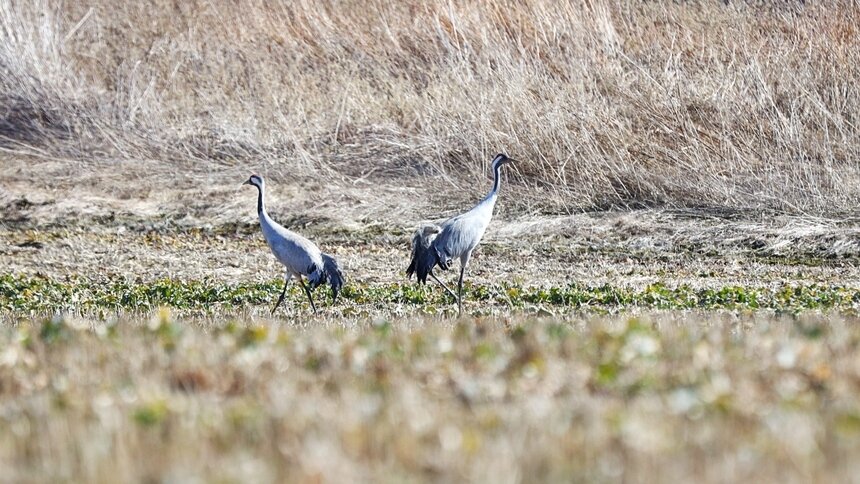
(455, 238)
(300, 257)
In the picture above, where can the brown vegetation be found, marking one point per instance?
(684, 104)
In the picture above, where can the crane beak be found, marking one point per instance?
(247, 182)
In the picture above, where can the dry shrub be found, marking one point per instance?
(687, 104)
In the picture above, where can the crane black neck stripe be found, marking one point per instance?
(259, 198)
(496, 175)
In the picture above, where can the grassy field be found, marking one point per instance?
(627, 359)
(724, 396)
(122, 359)
(669, 290)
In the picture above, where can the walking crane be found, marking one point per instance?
(301, 257)
(456, 238)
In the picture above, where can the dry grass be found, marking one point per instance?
(684, 104)
(660, 397)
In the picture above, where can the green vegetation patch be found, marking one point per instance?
(20, 293)
(24, 293)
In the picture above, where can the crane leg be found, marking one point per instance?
(308, 292)
(460, 289)
(284, 292)
(443, 285)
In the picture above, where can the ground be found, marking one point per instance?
(598, 345)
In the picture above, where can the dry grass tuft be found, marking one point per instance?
(652, 104)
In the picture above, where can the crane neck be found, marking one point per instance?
(496, 181)
(260, 207)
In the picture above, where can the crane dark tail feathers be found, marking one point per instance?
(424, 255)
(333, 275)
(330, 274)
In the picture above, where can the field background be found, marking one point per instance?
(668, 291)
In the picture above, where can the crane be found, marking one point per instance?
(301, 257)
(457, 237)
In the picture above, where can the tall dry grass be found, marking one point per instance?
(752, 107)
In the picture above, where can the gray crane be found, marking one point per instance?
(301, 257)
(457, 237)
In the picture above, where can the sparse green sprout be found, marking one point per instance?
(151, 414)
(607, 372)
(518, 333)
(245, 417)
(382, 327)
(284, 337)
(55, 330)
(25, 336)
(253, 335)
(163, 326)
(848, 423)
(231, 327)
(314, 361)
(485, 351)
(557, 331)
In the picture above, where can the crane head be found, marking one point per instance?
(255, 180)
(502, 159)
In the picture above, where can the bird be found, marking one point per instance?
(438, 245)
(301, 257)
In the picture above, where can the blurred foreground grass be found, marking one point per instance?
(697, 396)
